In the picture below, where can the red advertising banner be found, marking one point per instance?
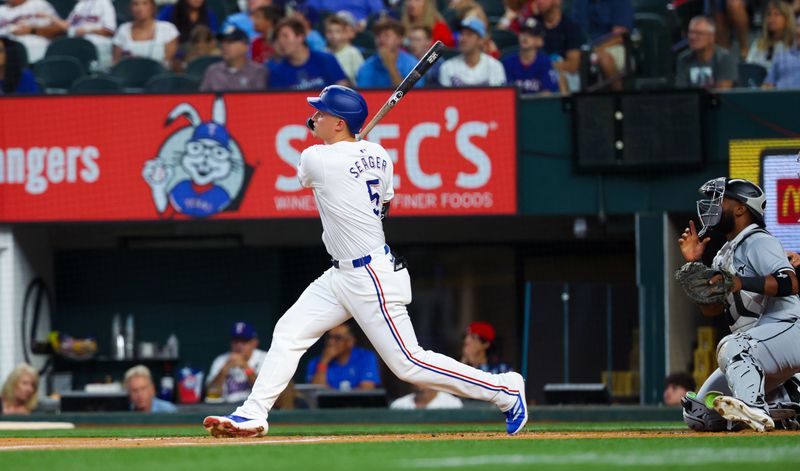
(788, 200)
(135, 157)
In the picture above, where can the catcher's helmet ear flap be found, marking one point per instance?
(342, 102)
(749, 194)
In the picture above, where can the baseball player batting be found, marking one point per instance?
(758, 359)
(352, 185)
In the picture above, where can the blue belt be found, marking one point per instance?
(359, 262)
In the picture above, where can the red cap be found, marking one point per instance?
(483, 329)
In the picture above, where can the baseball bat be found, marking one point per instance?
(424, 64)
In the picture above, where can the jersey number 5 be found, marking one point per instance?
(374, 196)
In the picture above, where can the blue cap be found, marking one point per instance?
(244, 331)
(213, 131)
(475, 24)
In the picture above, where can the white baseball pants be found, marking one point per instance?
(376, 296)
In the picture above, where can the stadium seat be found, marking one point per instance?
(95, 84)
(58, 73)
(123, 9)
(63, 7)
(18, 50)
(364, 40)
(507, 51)
(223, 8)
(494, 9)
(134, 72)
(449, 53)
(197, 67)
(504, 38)
(79, 48)
(650, 6)
(172, 83)
(751, 75)
(654, 46)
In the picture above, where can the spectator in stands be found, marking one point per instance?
(606, 21)
(785, 71)
(342, 365)
(425, 13)
(733, 13)
(243, 20)
(704, 64)
(299, 67)
(33, 23)
(361, 10)
(314, 39)
(186, 14)
(471, 8)
(676, 386)
(202, 42)
(264, 21)
(232, 374)
(478, 350)
(426, 398)
(517, 11)
(777, 34)
(235, 72)
(145, 36)
(19, 394)
(390, 64)
(562, 40)
(472, 67)
(794, 258)
(14, 76)
(142, 392)
(339, 32)
(530, 69)
(95, 21)
(420, 39)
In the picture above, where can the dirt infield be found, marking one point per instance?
(17, 444)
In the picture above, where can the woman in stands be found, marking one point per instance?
(145, 36)
(19, 391)
(95, 21)
(777, 34)
(14, 76)
(424, 13)
(186, 14)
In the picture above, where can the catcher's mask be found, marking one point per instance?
(709, 210)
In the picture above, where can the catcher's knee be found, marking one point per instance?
(700, 418)
(733, 348)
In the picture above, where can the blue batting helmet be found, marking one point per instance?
(344, 103)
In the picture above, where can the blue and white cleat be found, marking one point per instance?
(234, 426)
(517, 416)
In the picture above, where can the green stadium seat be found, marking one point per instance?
(95, 84)
(197, 67)
(134, 72)
(58, 73)
(172, 83)
(751, 75)
(123, 9)
(504, 38)
(655, 47)
(79, 48)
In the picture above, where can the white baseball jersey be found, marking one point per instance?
(442, 400)
(351, 181)
(93, 15)
(151, 48)
(236, 386)
(35, 13)
(487, 72)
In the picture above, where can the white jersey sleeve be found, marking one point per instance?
(497, 73)
(388, 191)
(108, 16)
(311, 169)
(446, 73)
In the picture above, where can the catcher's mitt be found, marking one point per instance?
(694, 277)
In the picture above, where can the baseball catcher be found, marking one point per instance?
(752, 284)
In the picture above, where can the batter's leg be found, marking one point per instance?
(377, 295)
(315, 312)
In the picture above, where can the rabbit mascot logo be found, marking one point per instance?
(200, 170)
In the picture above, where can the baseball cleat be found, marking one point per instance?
(517, 416)
(737, 411)
(234, 426)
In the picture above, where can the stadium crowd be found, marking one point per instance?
(540, 46)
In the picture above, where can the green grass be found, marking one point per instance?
(727, 452)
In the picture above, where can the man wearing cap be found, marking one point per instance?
(232, 374)
(236, 72)
(342, 365)
(478, 347)
(242, 19)
(389, 65)
(472, 68)
(360, 9)
(530, 70)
